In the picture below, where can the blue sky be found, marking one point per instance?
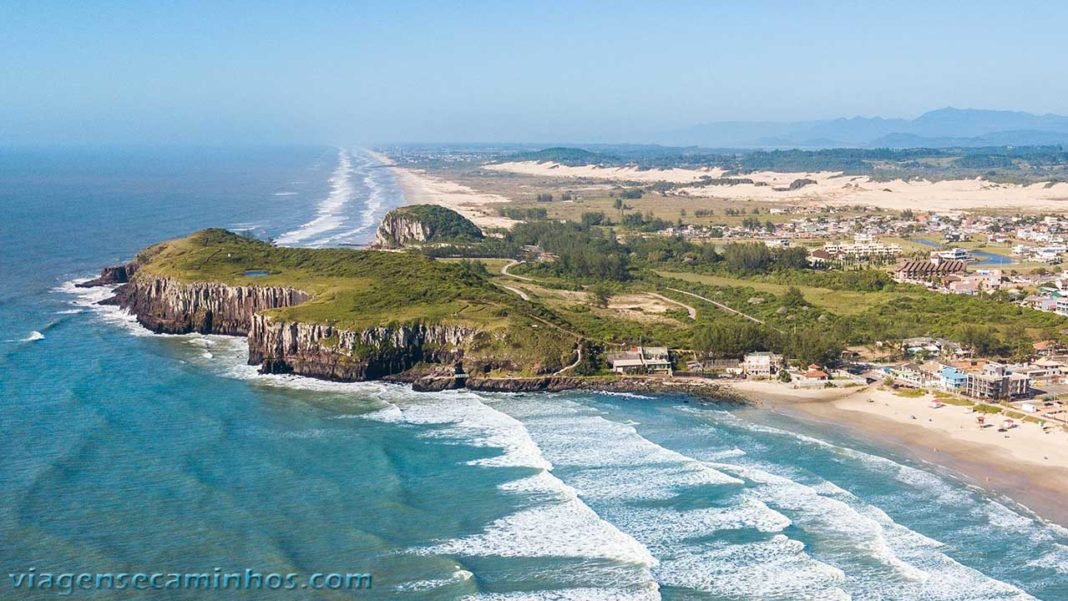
(365, 72)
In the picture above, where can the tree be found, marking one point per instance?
(747, 258)
(618, 205)
(982, 339)
(593, 218)
(600, 294)
(793, 298)
(730, 339)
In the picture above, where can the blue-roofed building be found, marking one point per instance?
(951, 378)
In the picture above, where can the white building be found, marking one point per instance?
(761, 365)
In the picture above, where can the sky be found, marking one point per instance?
(230, 72)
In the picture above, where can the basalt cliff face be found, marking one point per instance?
(168, 306)
(324, 351)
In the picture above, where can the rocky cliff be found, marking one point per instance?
(429, 356)
(167, 306)
(324, 351)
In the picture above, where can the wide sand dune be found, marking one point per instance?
(830, 188)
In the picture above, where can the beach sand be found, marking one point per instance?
(831, 188)
(421, 188)
(1024, 463)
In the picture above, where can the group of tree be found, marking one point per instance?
(532, 213)
(756, 258)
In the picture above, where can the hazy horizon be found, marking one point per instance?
(245, 73)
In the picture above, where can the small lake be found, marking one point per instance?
(255, 273)
(982, 257)
(988, 258)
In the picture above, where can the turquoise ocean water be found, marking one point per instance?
(127, 452)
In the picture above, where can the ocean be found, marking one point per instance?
(125, 452)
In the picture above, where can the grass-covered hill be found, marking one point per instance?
(349, 287)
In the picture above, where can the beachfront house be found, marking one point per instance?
(761, 365)
(812, 375)
(910, 374)
(952, 379)
(642, 360)
(995, 381)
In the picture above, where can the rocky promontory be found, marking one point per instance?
(354, 315)
(424, 224)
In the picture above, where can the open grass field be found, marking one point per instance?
(841, 302)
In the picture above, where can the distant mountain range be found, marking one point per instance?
(942, 128)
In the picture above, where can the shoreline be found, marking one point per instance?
(1023, 464)
(419, 188)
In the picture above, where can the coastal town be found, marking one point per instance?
(950, 253)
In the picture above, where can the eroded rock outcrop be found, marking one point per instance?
(324, 351)
(168, 306)
(111, 276)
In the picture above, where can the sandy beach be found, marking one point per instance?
(830, 188)
(1024, 463)
(421, 188)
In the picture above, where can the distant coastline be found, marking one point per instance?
(420, 188)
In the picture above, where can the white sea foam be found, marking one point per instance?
(625, 395)
(285, 193)
(376, 199)
(88, 299)
(557, 524)
(640, 593)
(907, 563)
(33, 337)
(610, 465)
(426, 585)
(330, 212)
(567, 528)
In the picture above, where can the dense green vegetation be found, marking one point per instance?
(810, 314)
